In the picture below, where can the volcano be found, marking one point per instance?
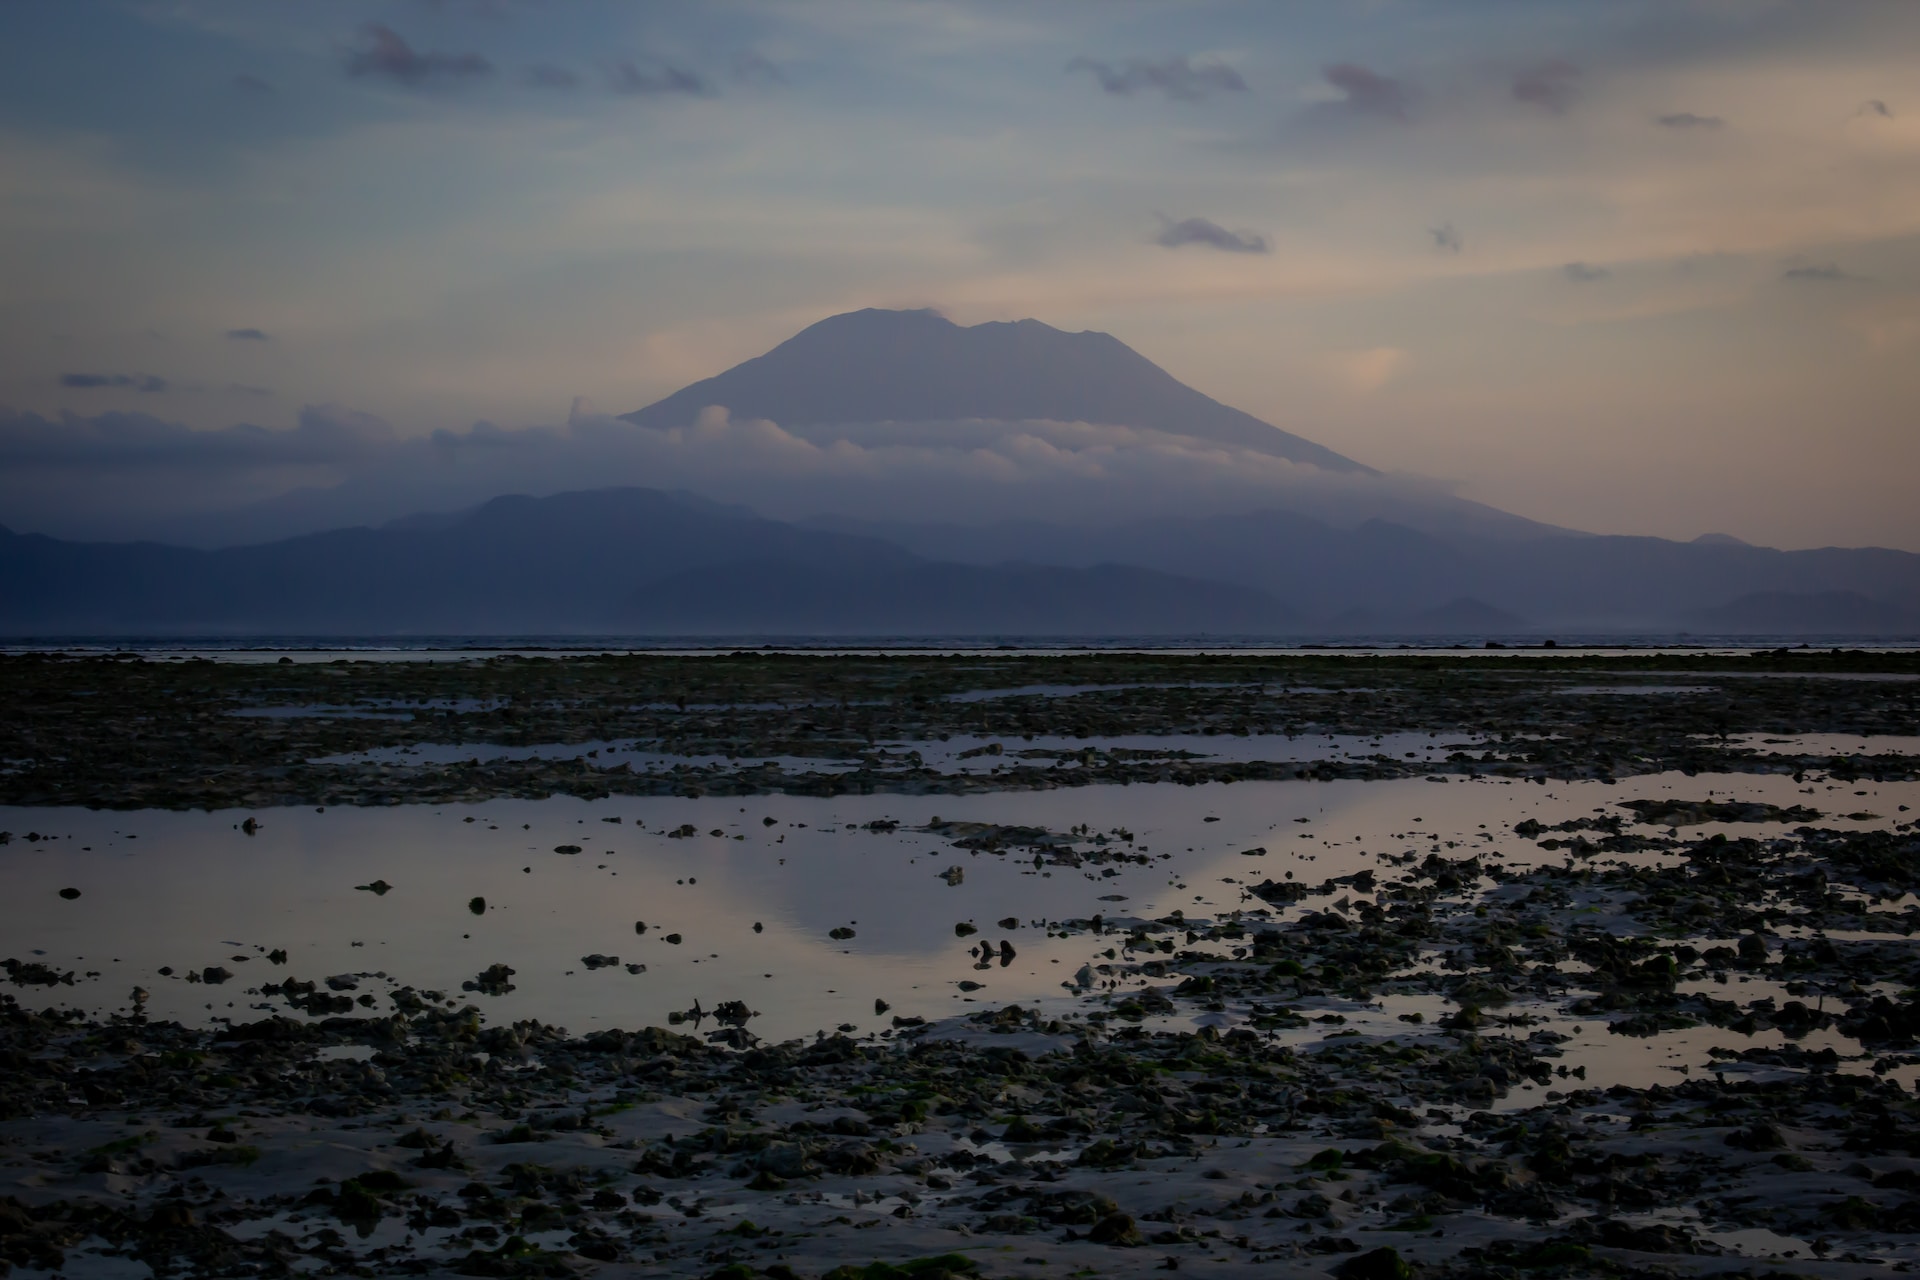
(876, 366)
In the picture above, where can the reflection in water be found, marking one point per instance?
(792, 915)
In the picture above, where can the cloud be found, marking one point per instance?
(126, 381)
(1817, 271)
(1201, 231)
(551, 77)
(98, 476)
(1875, 107)
(247, 335)
(1367, 371)
(1548, 85)
(111, 442)
(1446, 238)
(1584, 273)
(1367, 93)
(382, 52)
(654, 78)
(1688, 120)
(754, 68)
(250, 84)
(1179, 78)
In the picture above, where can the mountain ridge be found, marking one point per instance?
(612, 561)
(639, 561)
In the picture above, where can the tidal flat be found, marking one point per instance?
(771, 964)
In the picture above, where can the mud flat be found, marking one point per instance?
(127, 733)
(1594, 984)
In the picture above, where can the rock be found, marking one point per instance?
(784, 1160)
(880, 1007)
(1021, 1129)
(1761, 1135)
(963, 929)
(477, 905)
(566, 848)
(954, 874)
(598, 961)
(69, 894)
(492, 981)
(1116, 1229)
(1384, 1263)
(840, 934)
(1011, 922)
(215, 974)
(734, 1012)
(379, 888)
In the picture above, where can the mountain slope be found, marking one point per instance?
(918, 366)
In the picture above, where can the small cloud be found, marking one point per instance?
(1887, 329)
(1548, 85)
(382, 52)
(1211, 234)
(654, 79)
(1875, 107)
(1368, 93)
(550, 77)
(1446, 238)
(1367, 371)
(1179, 78)
(1688, 120)
(251, 84)
(1817, 271)
(754, 68)
(1583, 273)
(120, 381)
(132, 441)
(247, 335)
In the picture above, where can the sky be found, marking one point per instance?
(1629, 266)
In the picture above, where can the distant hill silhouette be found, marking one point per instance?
(1379, 576)
(772, 597)
(641, 561)
(918, 366)
(616, 560)
(1810, 613)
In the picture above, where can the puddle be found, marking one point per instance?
(192, 891)
(1635, 689)
(318, 712)
(969, 754)
(1823, 744)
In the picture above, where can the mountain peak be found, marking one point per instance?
(875, 365)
